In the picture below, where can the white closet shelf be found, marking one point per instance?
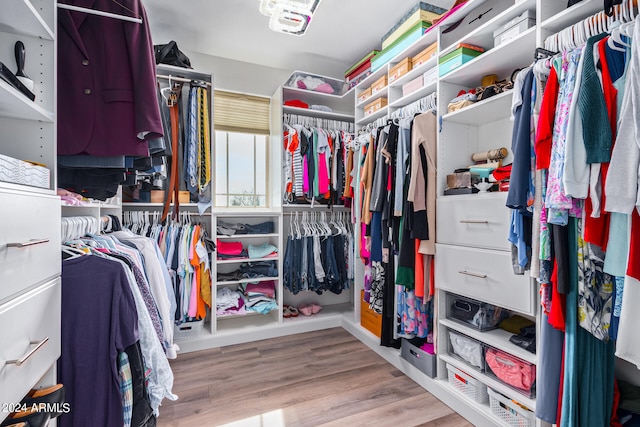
(490, 381)
(500, 195)
(498, 338)
(94, 205)
(317, 206)
(501, 60)
(246, 236)
(252, 212)
(415, 95)
(251, 323)
(571, 15)
(379, 94)
(254, 280)
(373, 77)
(415, 72)
(25, 188)
(247, 314)
(490, 110)
(155, 205)
(241, 260)
(483, 35)
(371, 117)
(332, 310)
(15, 105)
(20, 17)
(330, 115)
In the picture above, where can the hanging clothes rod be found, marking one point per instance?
(99, 13)
(180, 79)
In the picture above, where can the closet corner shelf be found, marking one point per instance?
(371, 117)
(495, 384)
(483, 112)
(414, 96)
(328, 311)
(571, 15)
(318, 97)
(383, 92)
(254, 280)
(372, 77)
(246, 236)
(241, 260)
(483, 35)
(330, 115)
(242, 316)
(13, 104)
(501, 60)
(415, 72)
(498, 338)
(20, 17)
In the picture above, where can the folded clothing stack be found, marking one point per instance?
(233, 250)
(260, 296)
(229, 229)
(229, 302)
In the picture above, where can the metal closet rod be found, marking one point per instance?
(181, 79)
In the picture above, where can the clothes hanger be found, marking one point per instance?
(135, 19)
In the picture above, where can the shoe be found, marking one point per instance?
(30, 417)
(53, 396)
(315, 308)
(306, 309)
(290, 311)
(20, 424)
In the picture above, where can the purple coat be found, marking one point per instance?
(107, 104)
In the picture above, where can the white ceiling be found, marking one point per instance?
(341, 32)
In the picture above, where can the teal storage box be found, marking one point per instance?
(399, 45)
(455, 59)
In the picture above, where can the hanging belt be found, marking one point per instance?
(174, 187)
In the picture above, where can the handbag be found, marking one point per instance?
(170, 54)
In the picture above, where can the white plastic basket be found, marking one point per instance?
(467, 385)
(510, 412)
(188, 330)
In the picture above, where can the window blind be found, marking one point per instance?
(237, 112)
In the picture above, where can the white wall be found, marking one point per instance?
(238, 76)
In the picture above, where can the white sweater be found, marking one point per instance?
(622, 180)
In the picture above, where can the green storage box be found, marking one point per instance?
(399, 45)
(455, 59)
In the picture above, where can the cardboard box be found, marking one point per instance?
(412, 86)
(379, 84)
(427, 363)
(421, 12)
(399, 45)
(369, 319)
(513, 28)
(425, 55)
(400, 69)
(375, 106)
(430, 76)
(157, 196)
(364, 95)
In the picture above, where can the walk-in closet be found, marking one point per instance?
(293, 213)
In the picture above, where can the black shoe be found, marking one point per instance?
(31, 418)
(52, 397)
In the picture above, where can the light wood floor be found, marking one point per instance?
(323, 378)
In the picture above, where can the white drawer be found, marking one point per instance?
(25, 322)
(485, 275)
(32, 220)
(480, 220)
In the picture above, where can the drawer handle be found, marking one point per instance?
(31, 242)
(468, 273)
(473, 221)
(38, 345)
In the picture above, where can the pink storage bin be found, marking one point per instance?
(511, 370)
(412, 86)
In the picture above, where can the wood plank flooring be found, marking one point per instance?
(323, 378)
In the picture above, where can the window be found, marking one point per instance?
(241, 169)
(241, 125)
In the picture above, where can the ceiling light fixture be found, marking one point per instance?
(289, 16)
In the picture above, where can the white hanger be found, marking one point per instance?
(99, 13)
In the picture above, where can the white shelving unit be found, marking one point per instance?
(30, 238)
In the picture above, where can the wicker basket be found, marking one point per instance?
(467, 385)
(510, 412)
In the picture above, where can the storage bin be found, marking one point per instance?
(466, 349)
(364, 95)
(430, 76)
(462, 56)
(427, 363)
(369, 319)
(513, 28)
(510, 370)
(379, 84)
(476, 314)
(467, 385)
(360, 66)
(22, 172)
(406, 40)
(421, 12)
(316, 83)
(188, 330)
(400, 69)
(412, 86)
(375, 106)
(510, 411)
(425, 55)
